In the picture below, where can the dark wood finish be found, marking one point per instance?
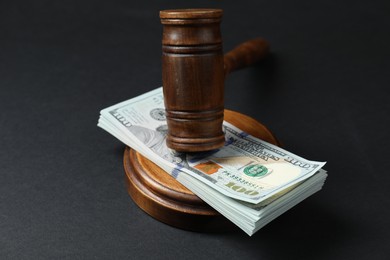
(165, 199)
(193, 72)
(246, 54)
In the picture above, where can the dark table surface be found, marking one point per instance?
(323, 92)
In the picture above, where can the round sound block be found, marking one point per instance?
(165, 199)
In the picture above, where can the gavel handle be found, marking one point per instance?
(245, 54)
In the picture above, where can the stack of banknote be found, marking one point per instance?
(249, 181)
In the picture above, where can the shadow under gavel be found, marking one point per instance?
(193, 73)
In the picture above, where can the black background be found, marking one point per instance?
(323, 92)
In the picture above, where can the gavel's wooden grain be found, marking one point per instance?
(194, 70)
(193, 74)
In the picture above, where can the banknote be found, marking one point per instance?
(245, 168)
(249, 217)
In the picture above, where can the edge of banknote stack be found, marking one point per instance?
(249, 181)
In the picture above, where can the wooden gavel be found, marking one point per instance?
(193, 74)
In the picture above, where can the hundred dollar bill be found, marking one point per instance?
(245, 168)
(249, 217)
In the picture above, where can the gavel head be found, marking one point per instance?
(193, 78)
